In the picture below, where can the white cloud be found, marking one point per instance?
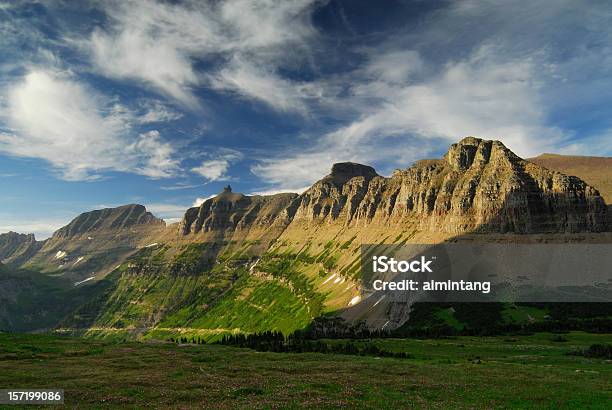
(212, 170)
(157, 43)
(199, 201)
(394, 66)
(156, 156)
(58, 119)
(484, 95)
(280, 191)
(179, 186)
(216, 169)
(42, 229)
(156, 112)
(253, 82)
(291, 174)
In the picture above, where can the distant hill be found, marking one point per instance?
(595, 171)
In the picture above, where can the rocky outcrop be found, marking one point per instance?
(108, 219)
(230, 211)
(15, 247)
(478, 186)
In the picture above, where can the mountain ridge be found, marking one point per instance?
(276, 262)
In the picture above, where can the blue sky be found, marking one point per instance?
(164, 103)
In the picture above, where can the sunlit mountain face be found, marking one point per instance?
(164, 103)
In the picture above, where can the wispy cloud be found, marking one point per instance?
(401, 115)
(502, 79)
(507, 71)
(251, 81)
(179, 186)
(54, 117)
(215, 169)
(154, 111)
(158, 43)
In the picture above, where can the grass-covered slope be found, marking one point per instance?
(201, 289)
(209, 289)
(32, 301)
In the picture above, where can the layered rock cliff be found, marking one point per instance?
(231, 212)
(478, 186)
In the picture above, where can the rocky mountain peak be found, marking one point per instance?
(108, 219)
(14, 245)
(234, 211)
(15, 237)
(347, 170)
(470, 150)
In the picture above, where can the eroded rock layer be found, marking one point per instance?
(231, 212)
(478, 186)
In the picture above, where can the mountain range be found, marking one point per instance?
(240, 263)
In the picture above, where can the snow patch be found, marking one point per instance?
(151, 245)
(338, 279)
(60, 254)
(253, 266)
(330, 278)
(355, 300)
(84, 280)
(79, 259)
(379, 300)
(89, 238)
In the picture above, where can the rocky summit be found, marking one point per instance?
(16, 247)
(233, 212)
(108, 219)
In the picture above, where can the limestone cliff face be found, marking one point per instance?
(108, 219)
(478, 186)
(338, 195)
(233, 212)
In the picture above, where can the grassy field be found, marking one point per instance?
(464, 372)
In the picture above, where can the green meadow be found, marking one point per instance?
(535, 371)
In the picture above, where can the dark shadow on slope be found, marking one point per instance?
(523, 217)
